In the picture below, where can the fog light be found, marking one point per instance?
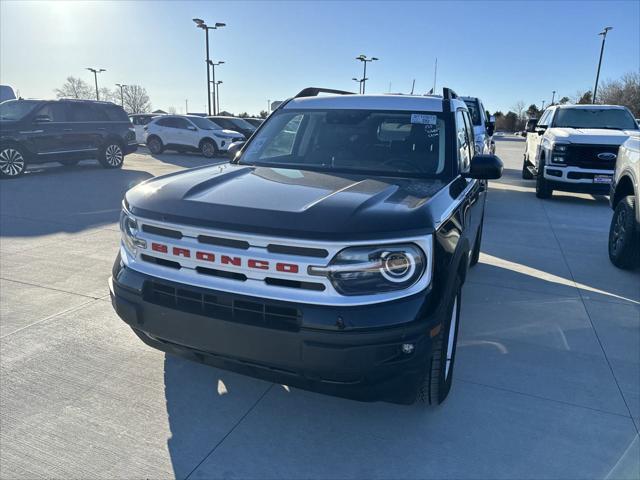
(408, 348)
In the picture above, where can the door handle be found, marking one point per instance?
(101, 128)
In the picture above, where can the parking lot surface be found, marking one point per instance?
(547, 381)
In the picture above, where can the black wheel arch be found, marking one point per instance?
(624, 188)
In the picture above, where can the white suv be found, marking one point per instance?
(188, 132)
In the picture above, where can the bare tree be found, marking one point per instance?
(564, 100)
(75, 88)
(107, 95)
(625, 91)
(136, 99)
(172, 110)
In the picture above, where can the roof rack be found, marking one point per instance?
(314, 91)
(448, 94)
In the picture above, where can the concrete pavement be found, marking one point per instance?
(547, 381)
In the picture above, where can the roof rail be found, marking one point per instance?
(448, 94)
(314, 91)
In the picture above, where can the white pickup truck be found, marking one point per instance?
(574, 148)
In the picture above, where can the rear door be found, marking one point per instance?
(86, 127)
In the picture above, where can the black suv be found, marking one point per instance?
(65, 131)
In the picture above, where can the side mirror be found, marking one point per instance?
(491, 128)
(234, 149)
(192, 128)
(485, 167)
(540, 129)
(42, 119)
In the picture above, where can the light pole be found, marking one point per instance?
(359, 84)
(217, 85)
(542, 105)
(95, 77)
(122, 86)
(200, 24)
(365, 60)
(604, 37)
(553, 96)
(213, 69)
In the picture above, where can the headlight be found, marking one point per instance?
(129, 229)
(375, 269)
(559, 152)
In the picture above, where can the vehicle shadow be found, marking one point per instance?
(186, 159)
(49, 199)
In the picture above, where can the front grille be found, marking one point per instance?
(222, 306)
(586, 156)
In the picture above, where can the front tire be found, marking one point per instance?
(13, 162)
(437, 382)
(111, 156)
(543, 190)
(624, 244)
(208, 149)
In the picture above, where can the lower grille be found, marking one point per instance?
(586, 156)
(222, 306)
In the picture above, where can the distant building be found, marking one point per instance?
(159, 112)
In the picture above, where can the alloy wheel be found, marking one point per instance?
(11, 162)
(113, 155)
(208, 150)
(619, 230)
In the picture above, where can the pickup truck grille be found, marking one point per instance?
(586, 156)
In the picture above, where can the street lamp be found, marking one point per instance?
(604, 37)
(122, 86)
(542, 105)
(95, 77)
(553, 96)
(201, 24)
(360, 81)
(217, 85)
(364, 60)
(213, 68)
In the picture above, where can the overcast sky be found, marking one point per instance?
(500, 51)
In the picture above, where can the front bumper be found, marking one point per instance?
(247, 335)
(576, 179)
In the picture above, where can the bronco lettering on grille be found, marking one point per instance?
(252, 263)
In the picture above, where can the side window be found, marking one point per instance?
(171, 122)
(182, 123)
(282, 144)
(85, 112)
(133, 120)
(55, 111)
(114, 113)
(544, 120)
(462, 138)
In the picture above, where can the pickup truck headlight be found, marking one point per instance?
(374, 269)
(558, 153)
(129, 229)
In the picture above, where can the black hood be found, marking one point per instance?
(287, 202)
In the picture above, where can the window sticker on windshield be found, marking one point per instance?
(423, 119)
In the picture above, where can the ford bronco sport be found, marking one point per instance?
(329, 254)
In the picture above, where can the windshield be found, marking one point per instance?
(375, 142)
(610, 118)
(242, 123)
(204, 123)
(16, 109)
(474, 111)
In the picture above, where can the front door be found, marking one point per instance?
(46, 133)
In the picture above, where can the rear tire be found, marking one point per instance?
(437, 382)
(208, 149)
(624, 241)
(526, 174)
(111, 155)
(543, 190)
(155, 146)
(13, 162)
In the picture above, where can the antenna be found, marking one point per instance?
(413, 86)
(435, 74)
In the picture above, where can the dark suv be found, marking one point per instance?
(65, 131)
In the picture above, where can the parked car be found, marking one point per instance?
(483, 125)
(234, 123)
(139, 120)
(624, 233)
(188, 133)
(256, 122)
(574, 148)
(333, 260)
(65, 131)
(6, 93)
